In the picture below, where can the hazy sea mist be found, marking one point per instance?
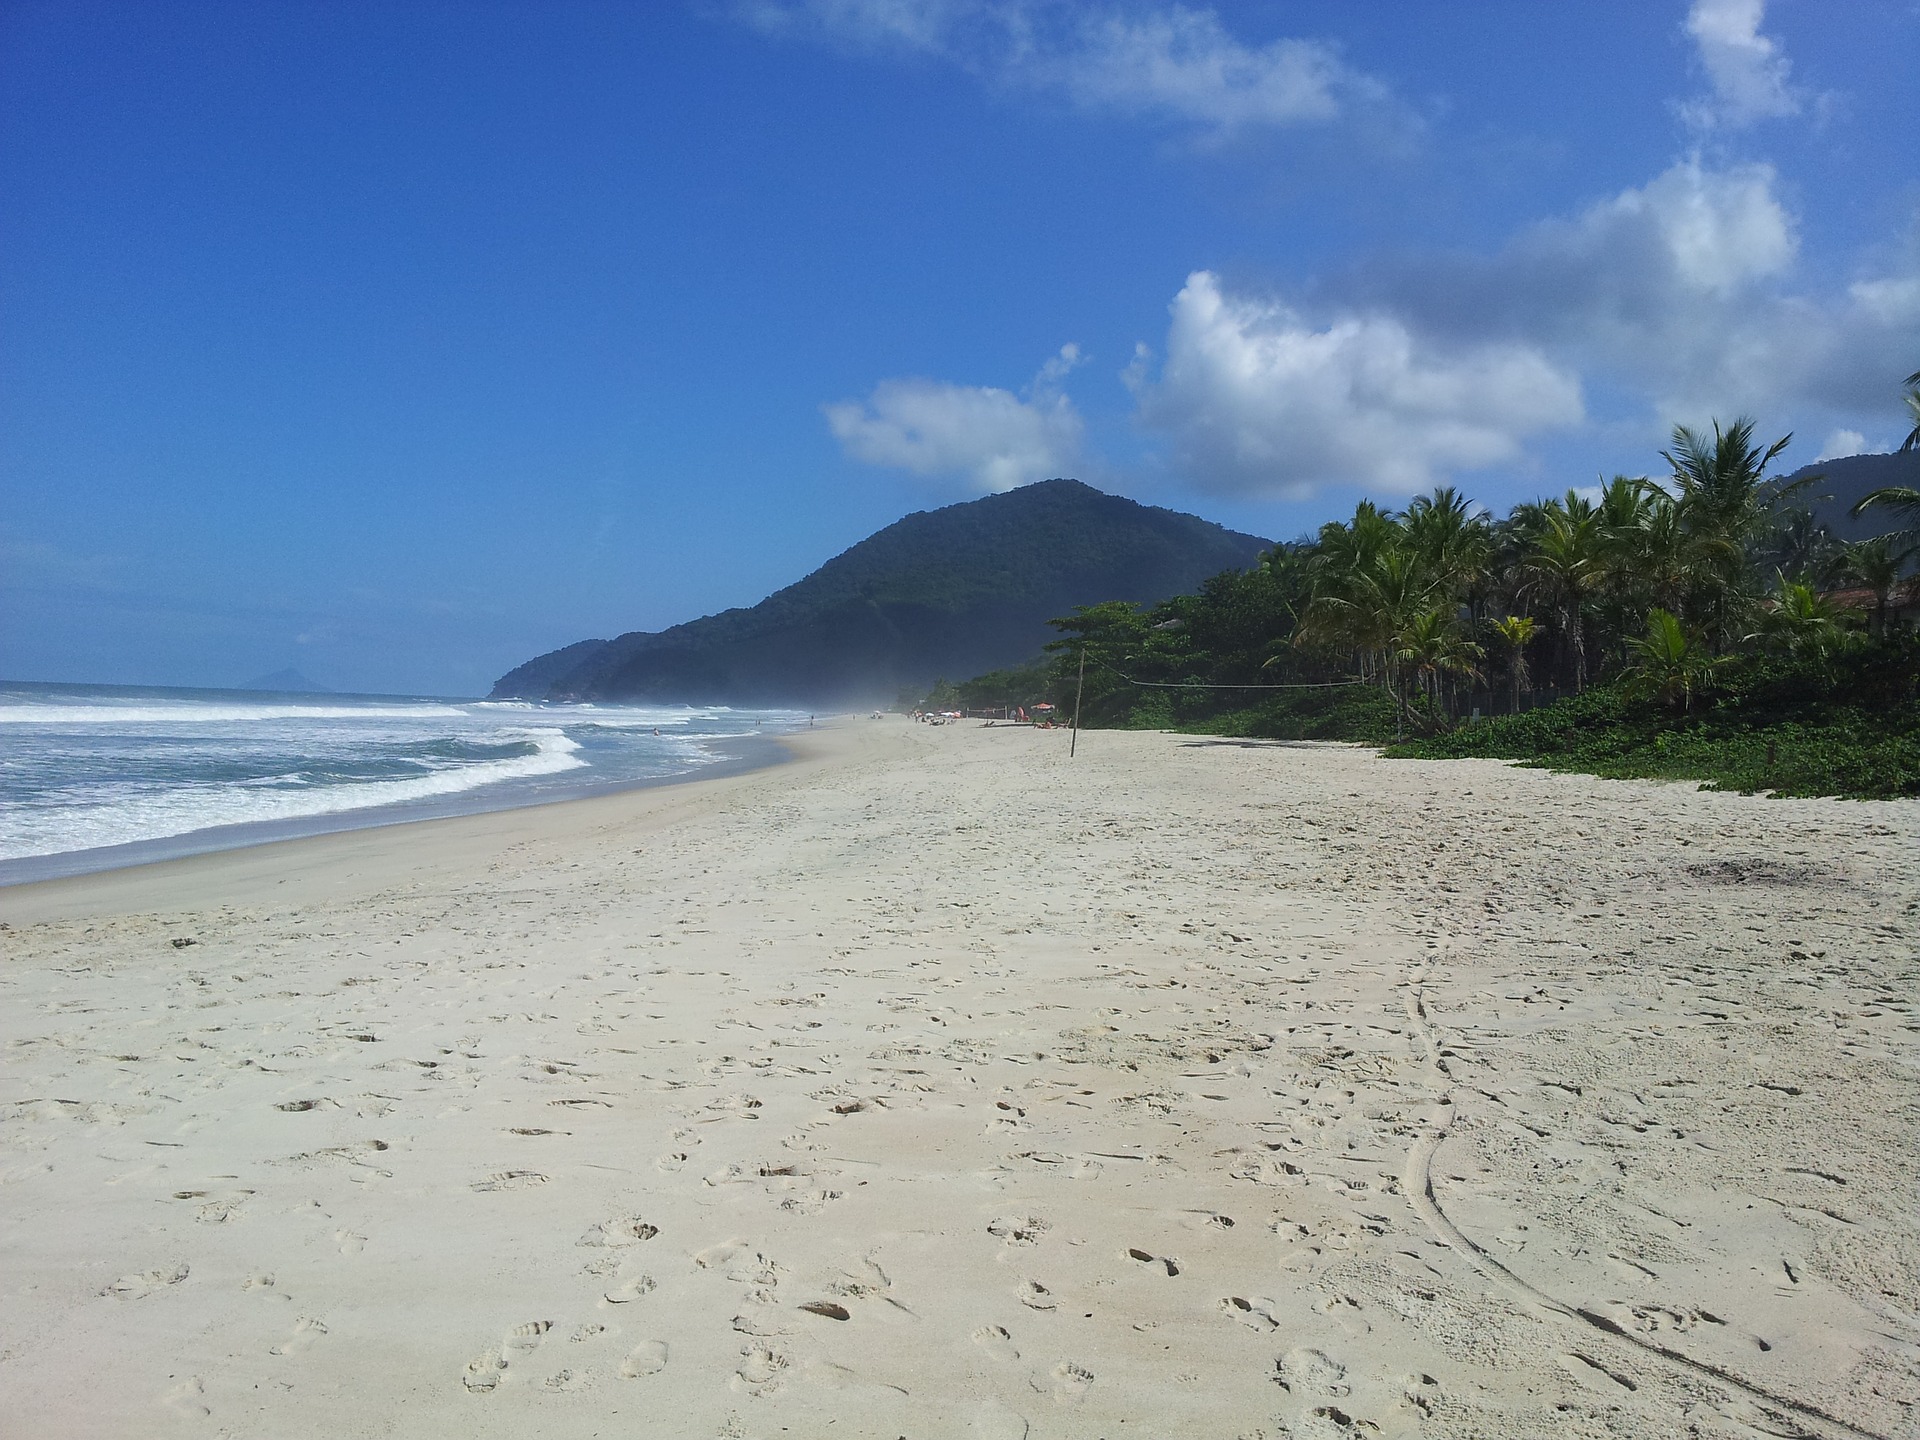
(93, 776)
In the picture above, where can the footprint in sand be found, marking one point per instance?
(525, 1338)
(144, 1282)
(187, 1399)
(613, 1234)
(760, 1370)
(510, 1180)
(1036, 1296)
(1071, 1382)
(1307, 1371)
(997, 1343)
(349, 1242)
(1019, 1229)
(649, 1357)
(1420, 1393)
(629, 1291)
(1148, 1259)
(261, 1284)
(762, 1318)
(484, 1372)
(1259, 1313)
(305, 1331)
(738, 1260)
(221, 1212)
(1344, 1311)
(717, 1257)
(1330, 1422)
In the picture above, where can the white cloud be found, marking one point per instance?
(1719, 229)
(1889, 300)
(1677, 295)
(994, 438)
(1259, 401)
(1169, 60)
(1182, 63)
(1679, 291)
(1745, 68)
(1662, 285)
(1842, 443)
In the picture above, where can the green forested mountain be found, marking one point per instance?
(1834, 487)
(944, 592)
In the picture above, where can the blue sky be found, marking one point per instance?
(398, 342)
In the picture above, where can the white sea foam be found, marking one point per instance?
(87, 771)
(149, 816)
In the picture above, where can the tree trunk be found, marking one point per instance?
(1577, 638)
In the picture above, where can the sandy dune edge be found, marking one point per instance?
(934, 1086)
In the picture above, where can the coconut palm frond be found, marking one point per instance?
(1901, 499)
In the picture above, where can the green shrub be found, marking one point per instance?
(1844, 724)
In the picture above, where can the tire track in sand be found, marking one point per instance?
(1417, 1179)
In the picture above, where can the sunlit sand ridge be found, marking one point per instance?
(939, 1086)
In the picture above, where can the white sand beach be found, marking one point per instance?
(934, 1085)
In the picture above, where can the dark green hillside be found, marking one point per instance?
(534, 679)
(1836, 485)
(944, 592)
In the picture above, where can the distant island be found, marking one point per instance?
(286, 682)
(949, 592)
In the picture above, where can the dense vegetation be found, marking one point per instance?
(951, 591)
(1848, 725)
(1690, 627)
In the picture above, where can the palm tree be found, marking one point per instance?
(1800, 545)
(1369, 608)
(1912, 398)
(1565, 562)
(1725, 504)
(1670, 566)
(1634, 515)
(1669, 663)
(1348, 549)
(1801, 622)
(1518, 632)
(1359, 576)
(1876, 564)
(1721, 483)
(1452, 541)
(1432, 645)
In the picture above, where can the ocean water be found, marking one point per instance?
(93, 776)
